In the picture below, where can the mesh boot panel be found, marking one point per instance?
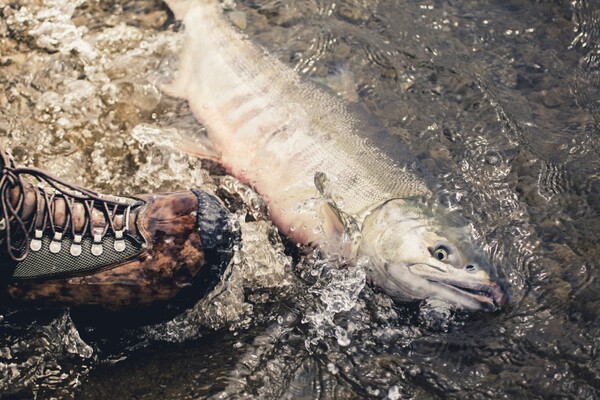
(45, 264)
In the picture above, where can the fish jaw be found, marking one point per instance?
(467, 290)
(409, 283)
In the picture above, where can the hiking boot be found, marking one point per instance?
(62, 243)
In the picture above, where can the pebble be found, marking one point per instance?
(238, 18)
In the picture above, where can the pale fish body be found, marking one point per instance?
(276, 132)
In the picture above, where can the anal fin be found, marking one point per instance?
(198, 145)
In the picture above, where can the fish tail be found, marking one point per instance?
(181, 8)
(198, 16)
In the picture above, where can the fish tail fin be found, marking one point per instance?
(198, 16)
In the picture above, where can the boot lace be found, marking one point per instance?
(18, 231)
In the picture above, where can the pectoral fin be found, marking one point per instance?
(333, 225)
(325, 187)
(336, 222)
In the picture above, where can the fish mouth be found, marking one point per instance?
(490, 295)
(474, 291)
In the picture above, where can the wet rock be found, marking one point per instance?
(3, 28)
(126, 114)
(357, 10)
(563, 253)
(435, 315)
(439, 152)
(238, 18)
(119, 38)
(154, 19)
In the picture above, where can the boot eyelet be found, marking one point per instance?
(119, 244)
(97, 245)
(75, 250)
(36, 242)
(97, 249)
(56, 244)
(76, 246)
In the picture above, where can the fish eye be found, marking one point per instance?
(441, 253)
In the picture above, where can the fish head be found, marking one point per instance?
(413, 254)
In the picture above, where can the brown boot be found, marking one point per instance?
(67, 244)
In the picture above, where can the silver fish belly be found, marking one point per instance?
(277, 132)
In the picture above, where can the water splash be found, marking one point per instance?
(336, 291)
(33, 357)
(260, 272)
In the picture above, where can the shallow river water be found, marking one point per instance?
(500, 100)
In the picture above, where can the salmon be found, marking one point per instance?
(324, 167)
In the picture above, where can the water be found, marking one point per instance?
(500, 100)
